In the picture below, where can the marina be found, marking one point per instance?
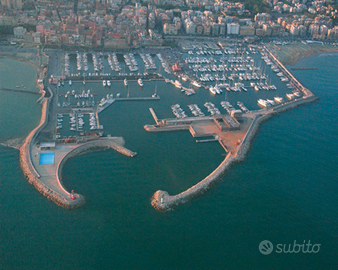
(214, 81)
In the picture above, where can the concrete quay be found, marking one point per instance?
(111, 101)
(20, 91)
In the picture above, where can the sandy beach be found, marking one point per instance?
(291, 53)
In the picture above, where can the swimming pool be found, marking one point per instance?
(47, 158)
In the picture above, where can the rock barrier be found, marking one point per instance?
(162, 201)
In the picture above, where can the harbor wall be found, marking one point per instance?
(171, 201)
(29, 170)
(162, 201)
(151, 128)
(106, 143)
(300, 87)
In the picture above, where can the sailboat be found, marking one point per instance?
(155, 94)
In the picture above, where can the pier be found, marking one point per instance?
(99, 78)
(304, 68)
(138, 98)
(154, 115)
(20, 91)
(112, 100)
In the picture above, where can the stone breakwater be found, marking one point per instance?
(34, 177)
(97, 145)
(162, 201)
(101, 144)
(30, 171)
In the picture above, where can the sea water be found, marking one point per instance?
(285, 191)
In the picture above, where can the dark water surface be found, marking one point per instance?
(285, 190)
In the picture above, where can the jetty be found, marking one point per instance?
(20, 91)
(112, 100)
(304, 68)
(236, 143)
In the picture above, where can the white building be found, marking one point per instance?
(232, 28)
(19, 32)
(190, 28)
(294, 30)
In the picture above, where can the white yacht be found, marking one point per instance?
(212, 90)
(155, 94)
(195, 83)
(177, 84)
(271, 102)
(104, 83)
(278, 99)
(70, 82)
(290, 96)
(184, 78)
(125, 82)
(263, 103)
(217, 89)
(140, 82)
(108, 83)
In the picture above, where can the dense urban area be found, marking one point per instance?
(129, 24)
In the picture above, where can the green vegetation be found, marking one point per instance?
(256, 6)
(8, 29)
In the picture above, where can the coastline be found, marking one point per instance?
(161, 200)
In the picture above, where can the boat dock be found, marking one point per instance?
(20, 91)
(304, 68)
(138, 98)
(112, 100)
(99, 78)
(154, 115)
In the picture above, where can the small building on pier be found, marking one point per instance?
(47, 145)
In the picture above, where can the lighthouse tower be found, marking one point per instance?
(72, 196)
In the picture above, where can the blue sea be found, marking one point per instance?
(285, 191)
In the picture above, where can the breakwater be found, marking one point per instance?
(97, 145)
(292, 79)
(33, 176)
(30, 172)
(162, 201)
(20, 91)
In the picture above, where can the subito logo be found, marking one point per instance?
(265, 247)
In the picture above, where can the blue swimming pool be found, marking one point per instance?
(47, 158)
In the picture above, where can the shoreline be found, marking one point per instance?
(160, 200)
(290, 54)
